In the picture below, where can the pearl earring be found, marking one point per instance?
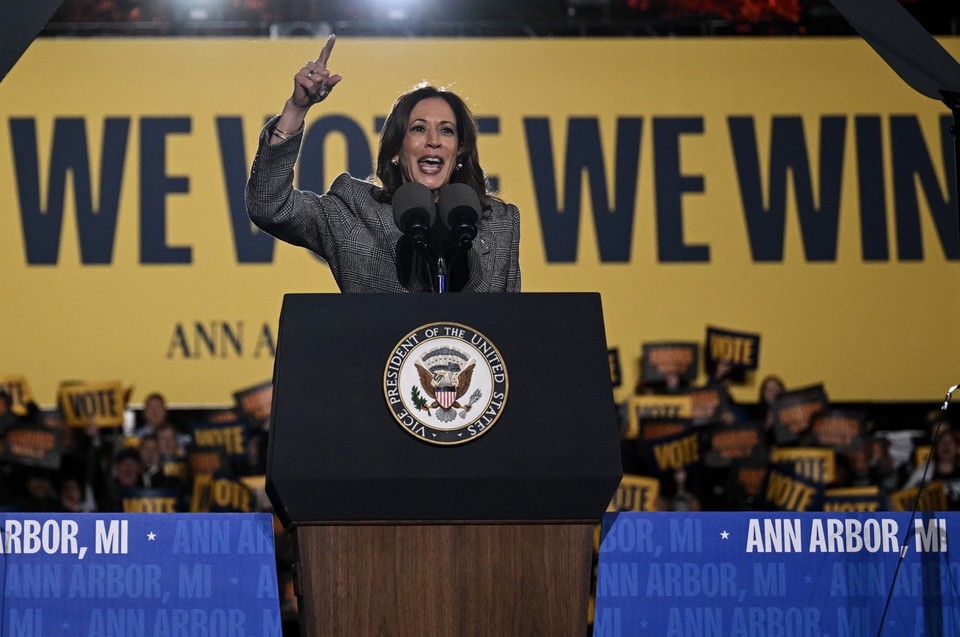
(459, 166)
(395, 161)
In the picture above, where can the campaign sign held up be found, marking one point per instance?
(749, 574)
(138, 575)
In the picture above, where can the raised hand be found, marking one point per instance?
(313, 82)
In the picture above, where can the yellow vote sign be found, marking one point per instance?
(816, 465)
(738, 349)
(636, 493)
(852, 500)
(99, 403)
(641, 408)
(933, 497)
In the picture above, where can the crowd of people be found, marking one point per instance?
(92, 468)
(97, 465)
(894, 461)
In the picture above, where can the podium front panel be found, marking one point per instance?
(337, 452)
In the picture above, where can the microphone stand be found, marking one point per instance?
(442, 260)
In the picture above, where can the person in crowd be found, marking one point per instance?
(429, 137)
(677, 493)
(150, 458)
(126, 474)
(128, 469)
(254, 461)
(172, 457)
(40, 494)
(154, 414)
(882, 468)
(770, 389)
(168, 443)
(156, 417)
(72, 495)
(943, 465)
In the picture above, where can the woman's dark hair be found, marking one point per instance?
(395, 129)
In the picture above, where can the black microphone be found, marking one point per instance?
(414, 212)
(459, 211)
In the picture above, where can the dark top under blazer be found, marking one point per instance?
(356, 235)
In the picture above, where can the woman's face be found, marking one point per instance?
(429, 152)
(771, 390)
(150, 453)
(154, 412)
(128, 470)
(946, 447)
(167, 442)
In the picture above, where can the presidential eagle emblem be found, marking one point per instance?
(445, 383)
(444, 378)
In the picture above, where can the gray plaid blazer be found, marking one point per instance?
(355, 234)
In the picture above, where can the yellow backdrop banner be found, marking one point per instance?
(795, 189)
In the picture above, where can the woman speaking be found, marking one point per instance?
(430, 138)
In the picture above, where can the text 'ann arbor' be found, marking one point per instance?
(220, 339)
(803, 159)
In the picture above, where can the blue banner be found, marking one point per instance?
(141, 575)
(778, 575)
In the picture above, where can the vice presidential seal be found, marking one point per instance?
(445, 383)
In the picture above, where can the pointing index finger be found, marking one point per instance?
(327, 49)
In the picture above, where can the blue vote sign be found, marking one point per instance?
(750, 574)
(143, 575)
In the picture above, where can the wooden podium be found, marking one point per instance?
(396, 536)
